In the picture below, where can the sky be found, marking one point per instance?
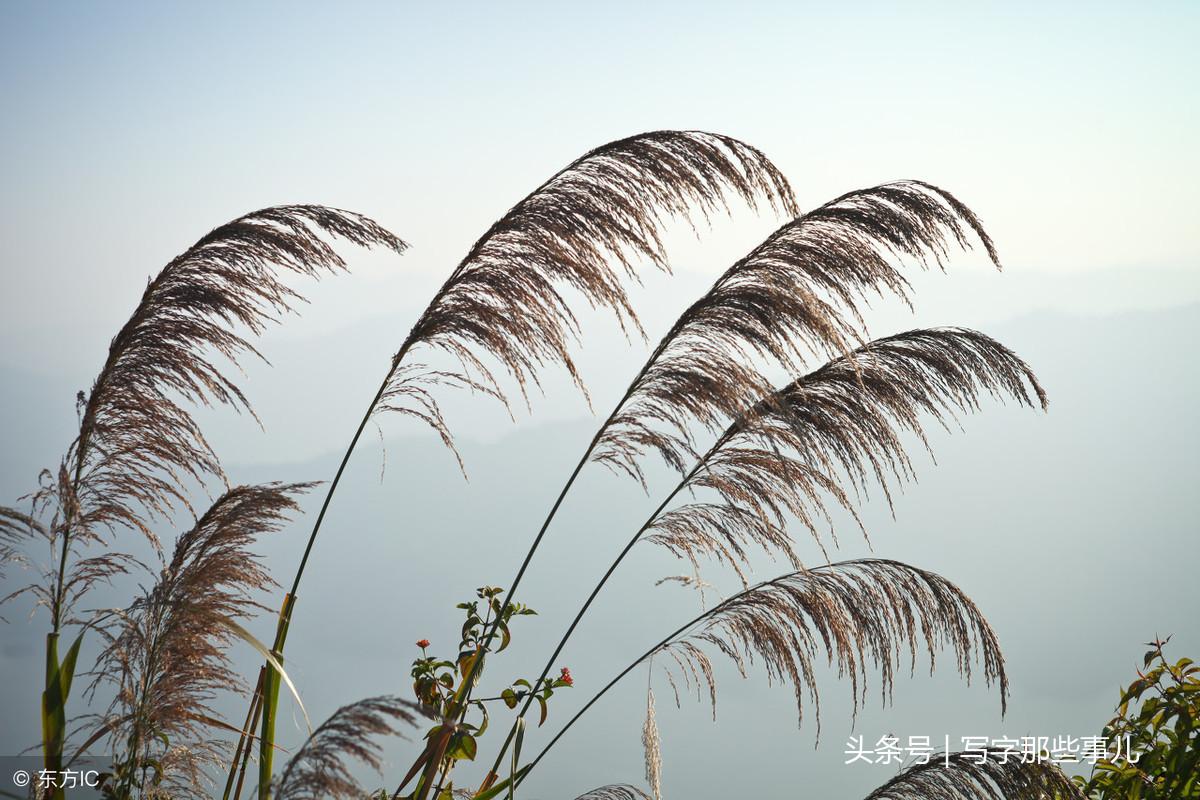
(129, 130)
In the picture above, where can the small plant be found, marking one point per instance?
(1157, 723)
(440, 686)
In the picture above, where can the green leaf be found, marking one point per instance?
(544, 711)
(502, 785)
(67, 670)
(509, 697)
(483, 726)
(516, 758)
(271, 683)
(463, 747)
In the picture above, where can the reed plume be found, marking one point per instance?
(616, 791)
(795, 295)
(786, 455)
(167, 656)
(138, 443)
(319, 770)
(506, 300)
(856, 613)
(137, 438)
(860, 613)
(587, 229)
(962, 776)
(652, 748)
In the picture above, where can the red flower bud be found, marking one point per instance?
(423, 643)
(565, 677)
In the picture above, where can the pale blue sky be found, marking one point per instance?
(128, 130)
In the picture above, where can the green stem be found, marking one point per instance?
(267, 700)
(648, 654)
(55, 691)
(477, 665)
(508, 599)
(588, 604)
(633, 385)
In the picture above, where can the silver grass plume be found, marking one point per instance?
(784, 457)
(167, 654)
(963, 776)
(138, 444)
(505, 300)
(858, 613)
(319, 770)
(137, 439)
(15, 529)
(796, 294)
(616, 791)
(652, 748)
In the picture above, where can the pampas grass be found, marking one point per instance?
(318, 770)
(779, 458)
(978, 775)
(166, 656)
(795, 296)
(506, 301)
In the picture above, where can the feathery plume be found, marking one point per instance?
(784, 456)
(860, 613)
(505, 299)
(652, 747)
(797, 293)
(167, 653)
(15, 529)
(138, 444)
(319, 771)
(137, 439)
(616, 791)
(963, 776)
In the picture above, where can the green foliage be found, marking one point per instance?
(440, 685)
(54, 699)
(1159, 716)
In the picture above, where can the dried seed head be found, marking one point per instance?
(961, 776)
(786, 456)
(652, 747)
(167, 654)
(860, 613)
(137, 439)
(797, 294)
(319, 770)
(587, 229)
